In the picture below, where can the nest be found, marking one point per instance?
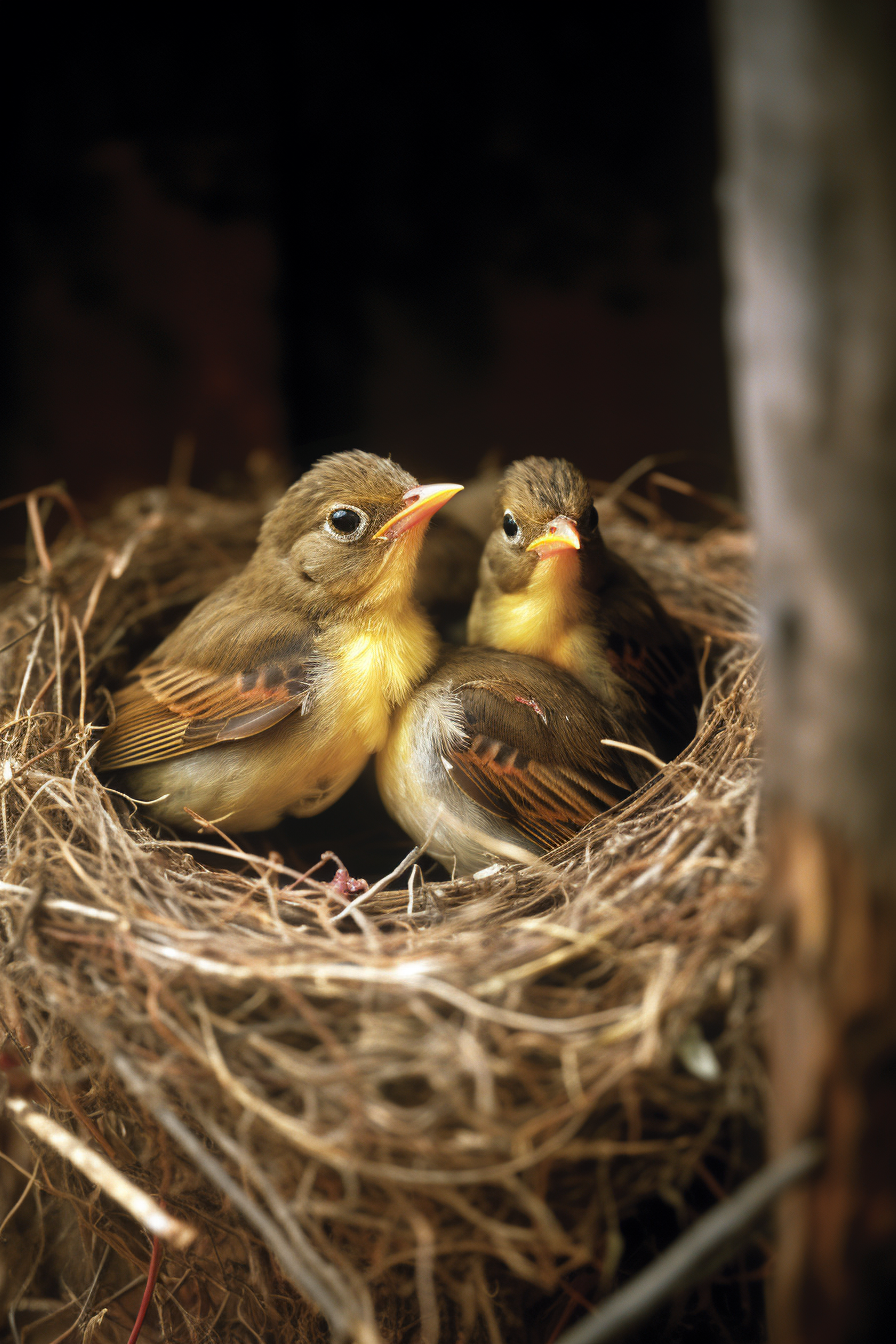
(425, 1120)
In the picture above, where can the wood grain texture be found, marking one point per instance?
(808, 91)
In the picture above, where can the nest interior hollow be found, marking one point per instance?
(418, 1122)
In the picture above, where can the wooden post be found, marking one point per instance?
(807, 93)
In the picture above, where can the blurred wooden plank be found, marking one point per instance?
(808, 92)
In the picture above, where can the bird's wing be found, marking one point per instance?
(170, 708)
(652, 653)
(663, 674)
(520, 760)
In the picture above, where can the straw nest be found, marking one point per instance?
(424, 1121)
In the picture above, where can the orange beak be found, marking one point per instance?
(422, 502)
(560, 536)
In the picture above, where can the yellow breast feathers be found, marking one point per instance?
(541, 619)
(378, 667)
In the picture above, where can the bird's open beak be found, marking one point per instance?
(422, 502)
(561, 535)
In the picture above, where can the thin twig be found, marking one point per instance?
(21, 1199)
(37, 531)
(29, 667)
(636, 751)
(390, 877)
(97, 1169)
(729, 512)
(25, 633)
(50, 492)
(711, 1241)
(82, 665)
(100, 1306)
(640, 468)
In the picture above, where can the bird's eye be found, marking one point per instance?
(345, 520)
(511, 526)
(589, 520)
(346, 524)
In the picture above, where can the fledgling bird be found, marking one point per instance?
(273, 692)
(498, 756)
(549, 586)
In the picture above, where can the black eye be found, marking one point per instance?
(345, 521)
(511, 526)
(589, 520)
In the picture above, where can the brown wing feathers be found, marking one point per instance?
(665, 677)
(653, 654)
(545, 803)
(169, 710)
(558, 781)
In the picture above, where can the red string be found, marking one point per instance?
(154, 1266)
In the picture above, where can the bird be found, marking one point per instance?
(499, 756)
(271, 695)
(551, 588)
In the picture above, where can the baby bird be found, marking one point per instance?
(548, 586)
(271, 695)
(498, 756)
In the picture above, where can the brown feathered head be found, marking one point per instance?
(349, 532)
(544, 508)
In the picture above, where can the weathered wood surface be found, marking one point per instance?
(808, 101)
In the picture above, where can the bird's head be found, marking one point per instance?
(544, 511)
(346, 535)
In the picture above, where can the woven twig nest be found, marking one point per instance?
(416, 1123)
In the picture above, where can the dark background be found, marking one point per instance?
(435, 241)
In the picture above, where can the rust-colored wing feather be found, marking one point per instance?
(169, 710)
(552, 786)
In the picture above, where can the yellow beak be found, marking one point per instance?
(561, 535)
(422, 502)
